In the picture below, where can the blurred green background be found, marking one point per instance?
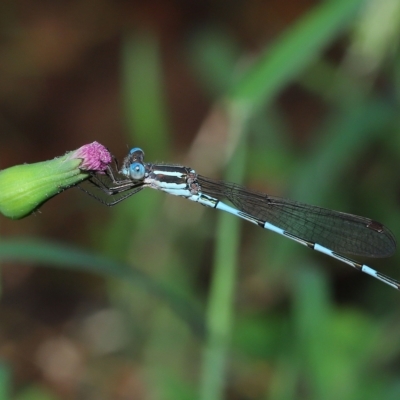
(159, 298)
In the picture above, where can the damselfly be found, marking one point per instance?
(327, 231)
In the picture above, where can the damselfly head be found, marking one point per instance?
(133, 166)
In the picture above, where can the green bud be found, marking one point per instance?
(25, 187)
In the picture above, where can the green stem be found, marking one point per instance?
(219, 318)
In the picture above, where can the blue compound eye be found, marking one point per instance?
(136, 149)
(136, 171)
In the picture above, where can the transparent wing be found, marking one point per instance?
(340, 232)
